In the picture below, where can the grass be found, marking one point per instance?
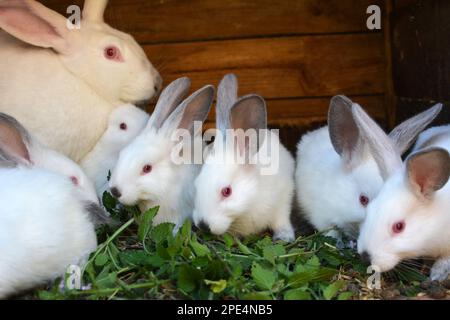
(137, 261)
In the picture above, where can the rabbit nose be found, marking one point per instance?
(365, 256)
(204, 227)
(115, 192)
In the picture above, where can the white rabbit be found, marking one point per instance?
(17, 145)
(125, 123)
(46, 225)
(147, 172)
(62, 83)
(410, 217)
(244, 197)
(336, 175)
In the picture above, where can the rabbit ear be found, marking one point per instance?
(428, 171)
(405, 133)
(195, 108)
(169, 99)
(344, 132)
(226, 97)
(249, 112)
(93, 10)
(381, 147)
(14, 139)
(32, 22)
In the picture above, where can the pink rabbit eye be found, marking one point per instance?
(146, 169)
(113, 53)
(364, 200)
(123, 126)
(226, 192)
(398, 227)
(74, 180)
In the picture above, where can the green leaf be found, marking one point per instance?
(109, 201)
(257, 296)
(331, 291)
(145, 223)
(272, 252)
(162, 232)
(217, 286)
(189, 278)
(186, 229)
(101, 259)
(200, 249)
(345, 295)
(244, 249)
(264, 279)
(297, 294)
(228, 239)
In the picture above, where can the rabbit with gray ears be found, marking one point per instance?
(337, 176)
(149, 171)
(410, 217)
(124, 124)
(250, 196)
(18, 145)
(62, 82)
(47, 219)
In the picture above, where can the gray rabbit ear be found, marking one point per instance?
(226, 97)
(194, 109)
(249, 113)
(14, 141)
(428, 171)
(381, 147)
(170, 98)
(344, 133)
(406, 133)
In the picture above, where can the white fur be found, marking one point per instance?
(169, 185)
(44, 228)
(258, 201)
(65, 95)
(102, 159)
(426, 219)
(328, 193)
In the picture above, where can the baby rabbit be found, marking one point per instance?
(125, 123)
(147, 172)
(244, 197)
(17, 145)
(62, 82)
(337, 176)
(46, 224)
(410, 217)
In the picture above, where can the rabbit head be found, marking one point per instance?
(19, 148)
(406, 219)
(146, 170)
(226, 188)
(110, 61)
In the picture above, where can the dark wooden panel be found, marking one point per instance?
(281, 68)
(181, 20)
(406, 107)
(421, 49)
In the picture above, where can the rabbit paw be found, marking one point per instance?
(286, 235)
(440, 269)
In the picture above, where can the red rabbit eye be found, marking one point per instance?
(226, 192)
(113, 53)
(74, 180)
(398, 227)
(364, 200)
(146, 169)
(123, 126)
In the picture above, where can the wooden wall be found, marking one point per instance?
(295, 53)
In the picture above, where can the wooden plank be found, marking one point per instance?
(288, 67)
(421, 55)
(152, 21)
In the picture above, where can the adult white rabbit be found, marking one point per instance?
(410, 217)
(249, 196)
(17, 145)
(125, 123)
(337, 176)
(149, 171)
(62, 82)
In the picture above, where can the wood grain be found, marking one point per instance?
(152, 21)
